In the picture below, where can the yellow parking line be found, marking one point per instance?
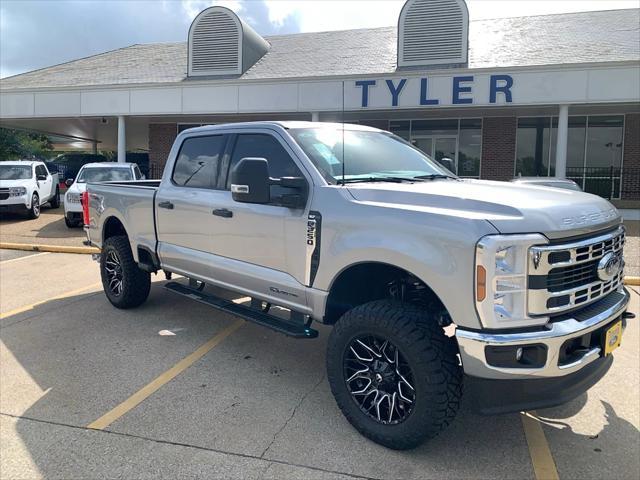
(149, 389)
(26, 308)
(543, 465)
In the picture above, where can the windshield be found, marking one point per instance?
(113, 174)
(364, 155)
(15, 172)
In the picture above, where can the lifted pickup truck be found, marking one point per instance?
(353, 227)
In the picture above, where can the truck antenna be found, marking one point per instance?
(343, 158)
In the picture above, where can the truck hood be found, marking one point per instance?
(77, 188)
(509, 207)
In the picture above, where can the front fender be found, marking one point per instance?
(441, 258)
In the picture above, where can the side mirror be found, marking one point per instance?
(68, 182)
(250, 181)
(41, 177)
(297, 195)
(448, 164)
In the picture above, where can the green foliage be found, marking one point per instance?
(18, 144)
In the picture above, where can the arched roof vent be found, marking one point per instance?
(433, 32)
(220, 43)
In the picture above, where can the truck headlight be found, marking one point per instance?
(501, 280)
(17, 191)
(73, 197)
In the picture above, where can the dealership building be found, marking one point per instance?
(552, 95)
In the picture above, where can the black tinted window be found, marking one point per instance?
(40, 170)
(198, 161)
(264, 146)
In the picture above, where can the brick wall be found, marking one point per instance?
(631, 158)
(498, 148)
(161, 137)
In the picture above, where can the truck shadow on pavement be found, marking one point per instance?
(607, 451)
(67, 362)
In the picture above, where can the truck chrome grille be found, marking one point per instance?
(565, 276)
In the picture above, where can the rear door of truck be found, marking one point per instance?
(184, 205)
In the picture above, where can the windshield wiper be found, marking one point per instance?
(433, 176)
(377, 179)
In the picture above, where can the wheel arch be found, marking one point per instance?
(366, 281)
(113, 226)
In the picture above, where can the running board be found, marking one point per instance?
(297, 330)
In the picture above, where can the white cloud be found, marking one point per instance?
(319, 15)
(191, 8)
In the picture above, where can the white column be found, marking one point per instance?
(561, 143)
(122, 140)
(315, 116)
(94, 148)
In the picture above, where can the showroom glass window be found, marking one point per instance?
(198, 161)
(594, 150)
(533, 157)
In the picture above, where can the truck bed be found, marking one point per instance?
(132, 203)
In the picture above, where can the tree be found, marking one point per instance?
(18, 144)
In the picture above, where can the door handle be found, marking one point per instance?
(167, 205)
(223, 212)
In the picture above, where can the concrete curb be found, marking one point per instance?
(633, 281)
(48, 248)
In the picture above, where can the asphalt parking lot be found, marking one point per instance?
(48, 229)
(174, 389)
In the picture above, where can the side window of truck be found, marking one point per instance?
(40, 170)
(266, 146)
(198, 162)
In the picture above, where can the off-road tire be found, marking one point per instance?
(54, 202)
(34, 211)
(136, 283)
(431, 355)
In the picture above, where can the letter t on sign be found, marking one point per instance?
(365, 84)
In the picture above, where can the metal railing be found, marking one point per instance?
(607, 182)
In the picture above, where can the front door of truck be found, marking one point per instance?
(262, 244)
(45, 183)
(184, 206)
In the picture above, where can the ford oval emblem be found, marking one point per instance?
(609, 266)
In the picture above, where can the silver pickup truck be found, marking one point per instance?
(430, 282)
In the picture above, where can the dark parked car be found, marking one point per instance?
(69, 164)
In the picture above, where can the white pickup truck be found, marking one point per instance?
(27, 185)
(353, 227)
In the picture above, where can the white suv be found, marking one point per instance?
(94, 172)
(25, 186)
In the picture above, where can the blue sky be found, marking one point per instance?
(39, 33)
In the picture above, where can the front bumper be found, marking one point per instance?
(15, 203)
(491, 397)
(559, 376)
(554, 336)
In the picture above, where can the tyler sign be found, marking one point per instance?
(432, 91)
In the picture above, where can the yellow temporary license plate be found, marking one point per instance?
(612, 338)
